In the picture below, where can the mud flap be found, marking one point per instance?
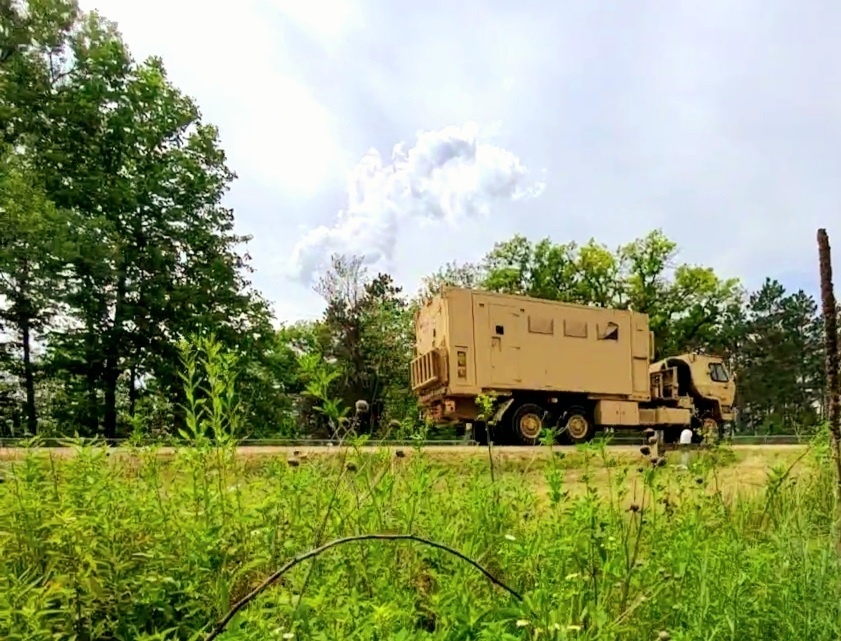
(500, 412)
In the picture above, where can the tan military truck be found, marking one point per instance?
(547, 364)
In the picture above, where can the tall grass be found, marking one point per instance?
(136, 545)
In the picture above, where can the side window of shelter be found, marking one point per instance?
(575, 328)
(610, 332)
(541, 325)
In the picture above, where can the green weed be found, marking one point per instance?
(132, 545)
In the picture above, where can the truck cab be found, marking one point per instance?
(706, 380)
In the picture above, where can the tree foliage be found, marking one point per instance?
(770, 338)
(369, 327)
(150, 254)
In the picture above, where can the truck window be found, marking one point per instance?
(718, 373)
(538, 325)
(611, 332)
(574, 328)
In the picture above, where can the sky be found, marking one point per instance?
(422, 133)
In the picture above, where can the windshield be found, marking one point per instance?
(718, 373)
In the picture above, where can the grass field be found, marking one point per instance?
(596, 542)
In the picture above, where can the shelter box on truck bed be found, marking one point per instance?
(470, 342)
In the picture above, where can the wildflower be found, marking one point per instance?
(574, 628)
(510, 537)
(288, 635)
(570, 577)
(664, 636)
(522, 623)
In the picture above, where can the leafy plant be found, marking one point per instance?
(137, 545)
(319, 376)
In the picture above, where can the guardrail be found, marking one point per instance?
(618, 439)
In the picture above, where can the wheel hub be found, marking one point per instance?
(577, 426)
(530, 425)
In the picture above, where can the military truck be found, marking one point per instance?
(548, 364)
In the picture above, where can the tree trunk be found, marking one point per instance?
(830, 318)
(29, 379)
(112, 361)
(92, 379)
(132, 390)
(25, 315)
(110, 414)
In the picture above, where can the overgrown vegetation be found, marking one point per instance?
(131, 544)
(137, 547)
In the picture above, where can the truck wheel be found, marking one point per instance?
(527, 423)
(480, 432)
(578, 425)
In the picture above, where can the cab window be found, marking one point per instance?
(718, 373)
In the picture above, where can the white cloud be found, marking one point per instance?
(449, 175)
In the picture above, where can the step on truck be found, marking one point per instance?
(573, 369)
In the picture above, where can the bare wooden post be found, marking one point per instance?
(830, 322)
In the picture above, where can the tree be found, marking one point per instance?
(31, 250)
(155, 256)
(686, 304)
(781, 361)
(467, 275)
(369, 325)
(387, 339)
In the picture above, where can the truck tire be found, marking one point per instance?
(480, 432)
(527, 423)
(577, 424)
